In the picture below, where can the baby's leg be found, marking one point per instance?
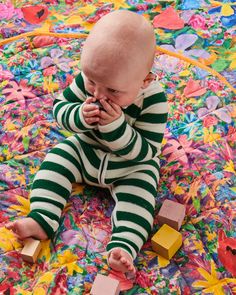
(50, 191)
(132, 217)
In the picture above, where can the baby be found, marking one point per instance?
(118, 113)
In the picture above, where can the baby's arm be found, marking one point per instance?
(142, 141)
(68, 107)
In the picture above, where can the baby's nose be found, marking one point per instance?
(98, 93)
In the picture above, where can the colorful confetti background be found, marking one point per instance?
(40, 45)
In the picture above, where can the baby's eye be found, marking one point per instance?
(112, 90)
(91, 82)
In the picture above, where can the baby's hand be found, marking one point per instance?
(90, 111)
(109, 113)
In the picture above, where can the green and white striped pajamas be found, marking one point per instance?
(121, 156)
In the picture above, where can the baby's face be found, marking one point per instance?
(117, 57)
(111, 84)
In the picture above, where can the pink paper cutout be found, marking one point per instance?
(125, 283)
(193, 88)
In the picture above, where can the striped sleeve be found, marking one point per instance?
(67, 107)
(142, 141)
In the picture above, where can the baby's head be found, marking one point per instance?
(117, 56)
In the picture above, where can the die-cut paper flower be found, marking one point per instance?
(18, 91)
(56, 59)
(5, 75)
(183, 42)
(212, 103)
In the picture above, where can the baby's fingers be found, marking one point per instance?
(90, 99)
(91, 113)
(90, 108)
(91, 120)
(115, 106)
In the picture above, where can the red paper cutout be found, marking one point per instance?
(168, 19)
(35, 14)
(227, 252)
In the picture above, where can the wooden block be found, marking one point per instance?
(31, 250)
(166, 242)
(105, 285)
(171, 213)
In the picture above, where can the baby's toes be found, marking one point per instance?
(130, 268)
(124, 261)
(18, 230)
(13, 227)
(116, 254)
(10, 225)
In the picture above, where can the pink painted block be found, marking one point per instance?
(172, 214)
(105, 285)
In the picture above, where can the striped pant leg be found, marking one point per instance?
(132, 218)
(52, 184)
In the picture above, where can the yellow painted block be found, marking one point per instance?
(166, 242)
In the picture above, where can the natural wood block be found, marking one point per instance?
(105, 285)
(167, 241)
(171, 213)
(31, 250)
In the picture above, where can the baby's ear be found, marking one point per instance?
(149, 78)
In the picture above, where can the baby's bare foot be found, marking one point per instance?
(120, 260)
(26, 228)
